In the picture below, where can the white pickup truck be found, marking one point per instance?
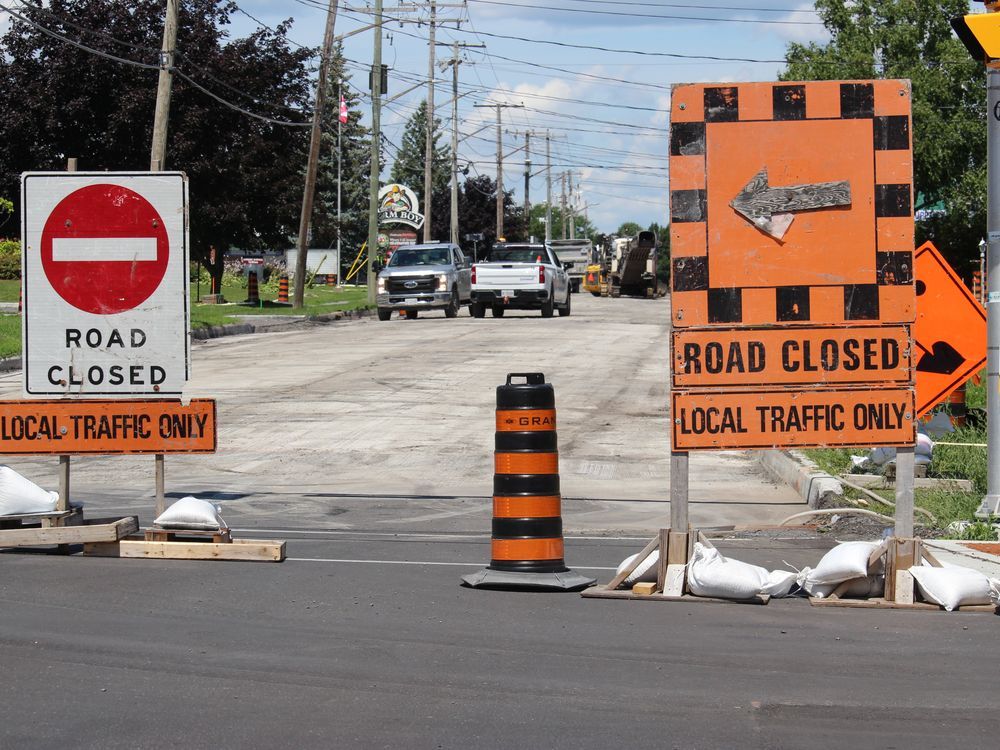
(520, 277)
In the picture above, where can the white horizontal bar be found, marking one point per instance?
(103, 248)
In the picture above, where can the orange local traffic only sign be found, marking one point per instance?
(950, 332)
(105, 283)
(74, 427)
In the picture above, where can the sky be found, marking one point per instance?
(592, 75)
(606, 112)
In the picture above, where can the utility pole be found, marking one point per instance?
(548, 187)
(158, 152)
(454, 62)
(312, 165)
(562, 205)
(500, 195)
(429, 145)
(527, 185)
(572, 209)
(376, 143)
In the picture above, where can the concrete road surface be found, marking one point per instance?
(316, 423)
(368, 447)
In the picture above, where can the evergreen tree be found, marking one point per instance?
(913, 39)
(408, 169)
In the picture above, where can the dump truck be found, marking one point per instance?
(632, 270)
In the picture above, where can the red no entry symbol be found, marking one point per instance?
(104, 249)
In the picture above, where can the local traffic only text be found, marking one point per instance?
(107, 426)
(772, 418)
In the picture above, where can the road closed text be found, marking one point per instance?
(119, 426)
(769, 357)
(779, 418)
(84, 374)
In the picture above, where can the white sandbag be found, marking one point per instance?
(845, 561)
(780, 583)
(857, 588)
(925, 446)
(191, 513)
(711, 574)
(955, 587)
(19, 495)
(645, 572)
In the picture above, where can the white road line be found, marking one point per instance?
(410, 562)
(415, 535)
(78, 249)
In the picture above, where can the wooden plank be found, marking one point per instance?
(905, 557)
(620, 578)
(886, 604)
(97, 530)
(926, 554)
(246, 550)
(661, 562)
(219, 536)
(644, 588)
(36, 516)
(677, 558)
(599, 593)
(878, 552)
(705, 541)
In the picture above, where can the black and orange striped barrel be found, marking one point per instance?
(527, 516)
(283, 288)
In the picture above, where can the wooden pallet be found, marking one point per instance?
(218, 536)
(245, 550)
(899, 554)
(35, 532)
(676, 549)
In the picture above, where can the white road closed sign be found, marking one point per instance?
(105, 283)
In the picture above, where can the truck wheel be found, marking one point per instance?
(451, 311)
(412, 314)
(564, 310)
(548, 307)
(384, 313)
(478, 310)
(497, 311)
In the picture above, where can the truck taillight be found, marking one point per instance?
(473, 274)
(541, 274)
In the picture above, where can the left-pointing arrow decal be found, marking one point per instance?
(770, 209)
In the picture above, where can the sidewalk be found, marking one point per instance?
(960, 553)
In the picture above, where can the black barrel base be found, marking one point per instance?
(567, 580)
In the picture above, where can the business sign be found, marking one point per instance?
(105, 283)
(791, 264)
(397, 204)
(949, 335)
(79, 426)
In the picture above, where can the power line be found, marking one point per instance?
(621, 14)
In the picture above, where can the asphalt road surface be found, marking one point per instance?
(367, 446)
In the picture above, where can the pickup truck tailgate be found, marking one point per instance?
(506, 275)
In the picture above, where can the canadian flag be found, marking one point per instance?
(343, 109)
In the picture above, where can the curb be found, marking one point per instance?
(798, 472)
(10, 364)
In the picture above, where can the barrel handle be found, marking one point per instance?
(530, 378)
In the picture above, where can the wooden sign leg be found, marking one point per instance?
(161, 501)
(904, 492)
(62, 504)
(679, 491)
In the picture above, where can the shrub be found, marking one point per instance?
(10, 259)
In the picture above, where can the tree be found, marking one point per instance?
(913, 39)
(628, 229)
(477, 211)
(408, 169)
(245, 174)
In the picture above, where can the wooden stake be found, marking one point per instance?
(161, 502)
(679, 491)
